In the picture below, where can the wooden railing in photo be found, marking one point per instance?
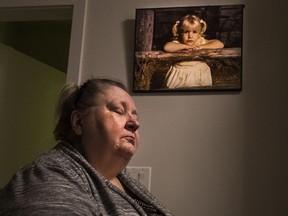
(146, 61)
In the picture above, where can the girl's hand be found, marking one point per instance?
(195, 47)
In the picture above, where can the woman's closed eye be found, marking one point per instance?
(119, 111)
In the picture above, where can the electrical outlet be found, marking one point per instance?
(141, 174)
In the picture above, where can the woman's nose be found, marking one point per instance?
(132, 125)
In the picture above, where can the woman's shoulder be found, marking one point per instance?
(52, 178)
(54, 167)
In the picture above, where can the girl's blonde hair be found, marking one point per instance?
(185, 21)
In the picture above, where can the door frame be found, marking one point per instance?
(77, 29)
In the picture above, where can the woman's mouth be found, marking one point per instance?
(130, 139)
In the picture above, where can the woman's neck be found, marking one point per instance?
(116, 182)
(107, 165)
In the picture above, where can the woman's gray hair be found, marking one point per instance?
(82, 98)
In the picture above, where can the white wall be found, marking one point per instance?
(217, 154)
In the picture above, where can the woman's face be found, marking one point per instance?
(190, 34)
(112, 126)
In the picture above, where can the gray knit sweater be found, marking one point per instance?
(62, 182)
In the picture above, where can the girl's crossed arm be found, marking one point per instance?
(175, 46)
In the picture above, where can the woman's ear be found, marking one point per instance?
(76, 122)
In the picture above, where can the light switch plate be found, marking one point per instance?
(141, 174)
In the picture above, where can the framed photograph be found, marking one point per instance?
(188, 49)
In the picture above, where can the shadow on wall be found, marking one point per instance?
(129, 34)
(28, 94)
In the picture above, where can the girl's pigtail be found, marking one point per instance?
(175, 31)
(203, 26)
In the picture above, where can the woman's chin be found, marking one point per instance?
(127, 150)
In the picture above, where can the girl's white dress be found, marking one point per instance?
(189, 74)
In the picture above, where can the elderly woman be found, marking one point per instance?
(97, 134)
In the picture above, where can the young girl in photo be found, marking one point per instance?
(189, 36)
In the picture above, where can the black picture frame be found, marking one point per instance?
(153, 28)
